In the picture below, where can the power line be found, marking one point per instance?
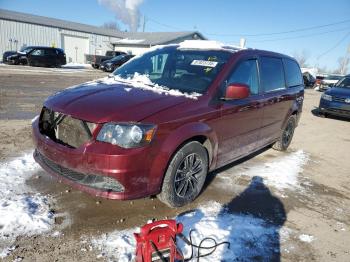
(256, 35)
(286, 32)
(300, 36)
(335, 46)
(165, 25)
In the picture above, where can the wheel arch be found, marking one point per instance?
(199, 132)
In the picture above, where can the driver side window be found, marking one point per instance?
(246, 73)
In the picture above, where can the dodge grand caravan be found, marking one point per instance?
(162, 121)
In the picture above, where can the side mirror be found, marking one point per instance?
(237, 91)
(331, 85)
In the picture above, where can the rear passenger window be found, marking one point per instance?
(50, 52)
(246, 73)
(271, 74)
(293, 73)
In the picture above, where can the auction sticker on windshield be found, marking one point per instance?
(204, 63)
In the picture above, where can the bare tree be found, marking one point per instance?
(111, 25)
(302, 58)
(343, 65)
(322, 69)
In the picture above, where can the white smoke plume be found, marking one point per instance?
(127, 11)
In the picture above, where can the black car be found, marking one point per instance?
(309, 80)
(96, 60)
(336, 100)
(38, 56)
(115, 62)
(6, 54)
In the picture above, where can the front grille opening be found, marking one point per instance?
(104, 183)
(65, 129)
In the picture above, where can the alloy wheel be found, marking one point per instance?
(186, 180)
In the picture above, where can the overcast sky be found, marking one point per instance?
(262, 23)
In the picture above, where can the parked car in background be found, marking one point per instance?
(336, 100)
(319, 78)
(329, 81)
(115, 62)
(167, 118)
(38, 56)
(309, 80)
(96, 60)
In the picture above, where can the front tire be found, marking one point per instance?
(287, 134)
(185, 176)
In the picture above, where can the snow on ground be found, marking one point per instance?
(142, 82)
(22, 211)
(253, 235)
(281, 173)
(76, 66)
(251, 238)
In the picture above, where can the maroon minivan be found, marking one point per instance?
(162, 121)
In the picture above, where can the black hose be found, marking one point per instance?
(200, 247)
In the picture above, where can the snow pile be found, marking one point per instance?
(119, 245)
(76, 66)
(251, 238)
(143, 82)
(22, 212)
(281, 173)
(306, 238)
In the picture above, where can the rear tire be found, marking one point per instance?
(286, 136)
(185, 176)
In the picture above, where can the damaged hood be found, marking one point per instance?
(100, 103)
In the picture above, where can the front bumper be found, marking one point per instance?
(334, 108)
(129, 168)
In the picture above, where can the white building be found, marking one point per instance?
(19, 29)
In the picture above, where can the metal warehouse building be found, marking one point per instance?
(18, 30)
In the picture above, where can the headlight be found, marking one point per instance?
(108, 64)
(327, 97)
(126, 135)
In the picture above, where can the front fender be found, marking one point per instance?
(173, 142)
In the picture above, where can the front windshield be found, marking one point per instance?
(344, 83)
(183, 70)
(26, 49)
